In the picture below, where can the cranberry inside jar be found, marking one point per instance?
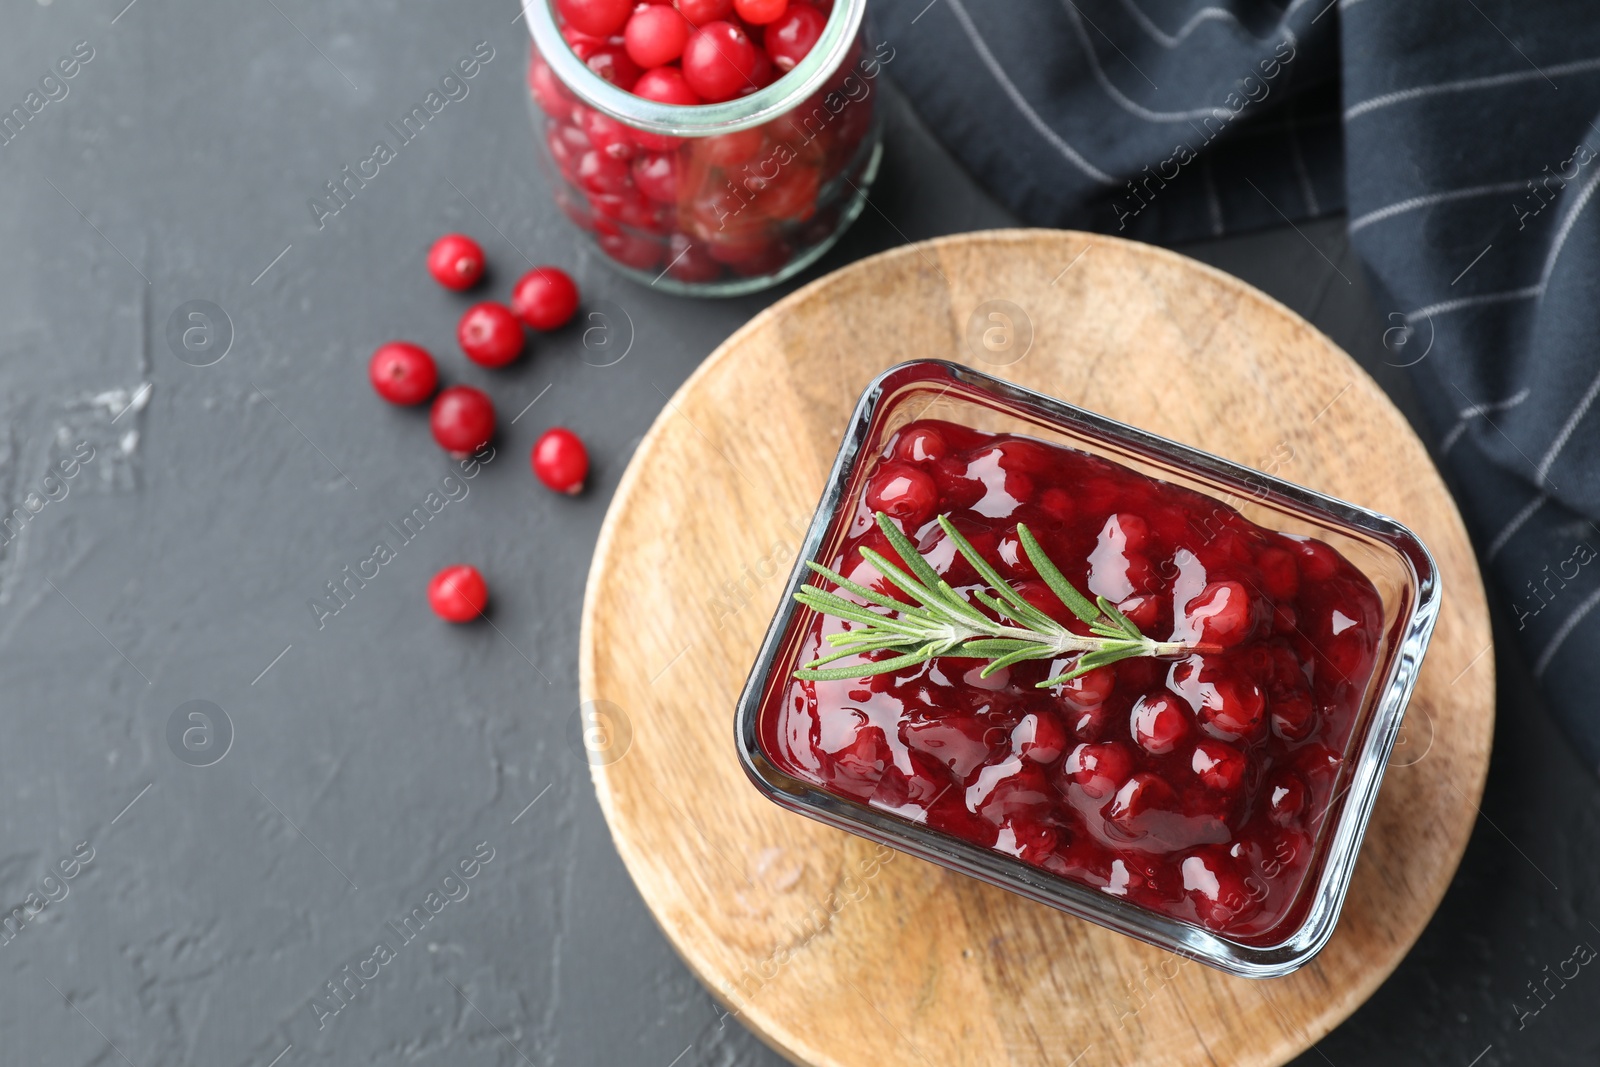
(1195, 783)
(721, 205)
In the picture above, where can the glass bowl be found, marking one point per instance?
(1297, 908)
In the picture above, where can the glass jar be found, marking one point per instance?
(1209, 800)
(712, 199)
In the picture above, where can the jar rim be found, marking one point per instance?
(696, 120)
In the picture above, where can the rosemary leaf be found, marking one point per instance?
(943, 622)
(1075, 601)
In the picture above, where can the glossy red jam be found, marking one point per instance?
(712, 209)
(1196, 786)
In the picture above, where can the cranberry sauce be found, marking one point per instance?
(1193, 786)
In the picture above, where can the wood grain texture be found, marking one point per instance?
(838, 953)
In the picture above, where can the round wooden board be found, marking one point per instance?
(837, 955)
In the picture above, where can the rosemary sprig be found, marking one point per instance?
(944, 623)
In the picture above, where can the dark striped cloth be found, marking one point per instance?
(1462, 139)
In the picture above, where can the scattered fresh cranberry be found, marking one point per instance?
(462, 420)
(790, 38)
(720, 62)
(458, 593)
(560, 461)
(545, 298)
(597, 18)
(1193, 786)
(490, 334)
(760, 12)
(656, 34)
(403, 373)
(456, 261)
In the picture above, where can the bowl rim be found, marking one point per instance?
(1370, 756)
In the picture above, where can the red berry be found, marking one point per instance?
(560, 461)
(1222, 898)
(632, 250)
(656, 176)
(456, 261)
(597, 172)
(956, 741)
(1039, 737)
(903, 492)
(1293, 716)
(458, 593)
(666, 85)
(1089, 689)
(1142, 793)
(656, 34)
(403, 373)
(1318, 562)
(1142, 609)
(1221, 615)
(1233, 709)
(690, 262)
(760, 12)
(728, 150)
(608, 136)
(1218, 766)
(791, 38)
(1009, 788)
(719, 61)
(545, 298)
(1100, 769)
(920, 445)
(1279, 575)
(1286, 799)
(613, 63)
(462, 419)
(554, 99)
(1158, 722)
(701, 12)
(597, 18)
(490, 334)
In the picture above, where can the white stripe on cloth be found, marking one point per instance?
(1465, 416)
(1467, 84)
(1516, 523)
(1401, 207)
(1055, 141)
(1565, 435)
(1120, 98)
(1205, 14)
(1167, 40)
(1564, 631)
(1448, 306)
(1566, 226)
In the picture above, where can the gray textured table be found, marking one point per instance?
(365, 767)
